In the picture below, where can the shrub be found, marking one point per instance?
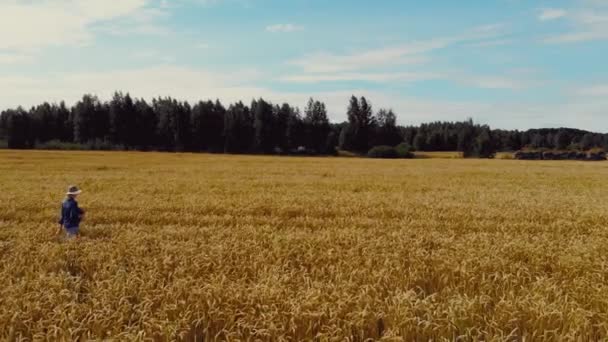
(593, 154)
(94, 145)
(574, 147)
(383, 152)
(596, 154)
(347, 154)
(404, 150)
(60, 145)
(302, 151)
(596, 150)
(103, 145)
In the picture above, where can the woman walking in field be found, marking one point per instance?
(71, 214)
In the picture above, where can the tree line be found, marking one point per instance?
(458, 136)
(166, 124)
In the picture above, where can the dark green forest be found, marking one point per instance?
(261, 127)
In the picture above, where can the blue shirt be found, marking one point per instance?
(70, 213)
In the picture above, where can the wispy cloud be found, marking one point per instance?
(575, 37)
(371, 65)
(326, 62)
(492, 82)
(467, 79)
(370, 77)
(285, 28)
(152, 56)
(492, 42)
(34, 25)
(547, 14)
(588, 23)
(145, 21)
(163, 80)
(402, 54)
(14, 58)
(596, 90)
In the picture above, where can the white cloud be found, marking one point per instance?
(592, 18)
(150, 55)
(393, 55)
(325, 62)
(371, 65)
(97, 10)
(144, 21)
(403, 54)
(27, 26)
(36, 24)
(14, 58)
(575, 37)
(589, 23)
(596, 90)
(285, 28)
(372, 77)
(551, 14)
(477, 81)
(597, 3)
(492, 42)
(491, 82)
(186, 83)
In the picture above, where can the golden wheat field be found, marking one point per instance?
(201, 247)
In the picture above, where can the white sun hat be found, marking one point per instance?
(73, 190)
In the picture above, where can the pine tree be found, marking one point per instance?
(43, 123)
(349, 133)
(420, 141)
(483, 145)
(18, 126)
(367, 123)
(281, 128)
(264, 126)
(586, 142)
(238, 129)
(123, 120)
(317, 125)
(561, 140)
(296, 130)
(538, 141)
(387, 132)
(361, 124)
(3, 125)
(173, 124)
(215, 128)
(201, 112)
(65, 124)
(90, 120)
(147, 123)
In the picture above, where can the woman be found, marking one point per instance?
(71, 214)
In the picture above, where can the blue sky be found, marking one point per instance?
(508, 63)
